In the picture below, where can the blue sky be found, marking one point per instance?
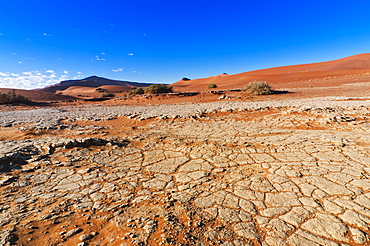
(44, 42)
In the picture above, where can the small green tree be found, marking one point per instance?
(158, 88)
(212, 86)
(136, 91)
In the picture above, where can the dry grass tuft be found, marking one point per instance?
(258, 88)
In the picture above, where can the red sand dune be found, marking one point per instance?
(116, 88)
(92, 92)
(39, 96)
(331, 73)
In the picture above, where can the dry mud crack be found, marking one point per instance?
(284, 176)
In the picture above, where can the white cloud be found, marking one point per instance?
(130, 54)
(103, 53)
(79, 72)
(97, 58)
(31, 79)
(66, 72)
(117, 70)
(46, 34)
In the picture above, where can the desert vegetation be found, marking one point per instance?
(212, 86)
(11, 97)
(100, 90)
(107, 94)
(136, 91)
(152, 89)
(257, 88)
(158, 88)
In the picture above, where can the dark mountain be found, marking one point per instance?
(93, 81)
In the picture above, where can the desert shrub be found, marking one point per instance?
(212, 86)
(185, 79)
(107, 94)
(258, 88)
(136, 91)
(99, 90)
(11, 97)
(158, 88)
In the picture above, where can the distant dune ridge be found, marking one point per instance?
(349, 70)
(94, 82)
(287, 76)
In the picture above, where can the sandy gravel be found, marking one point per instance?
(51, 116)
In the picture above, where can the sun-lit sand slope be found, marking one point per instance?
(92, 92)
(352, 69)
(39, 96)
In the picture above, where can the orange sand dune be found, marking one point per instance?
(78, 89)
(315, 74)
(91, 91)
(39, 96)
(116, 88)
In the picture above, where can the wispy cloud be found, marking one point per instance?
(98, 58)
(31, 79)
(130, 54)
(117, 70)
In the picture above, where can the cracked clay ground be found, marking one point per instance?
(265, 177)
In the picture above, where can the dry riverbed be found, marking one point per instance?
(225, 173)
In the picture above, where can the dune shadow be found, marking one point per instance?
(276, 92)
(39, 104)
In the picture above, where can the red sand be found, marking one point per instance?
(298, 76)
